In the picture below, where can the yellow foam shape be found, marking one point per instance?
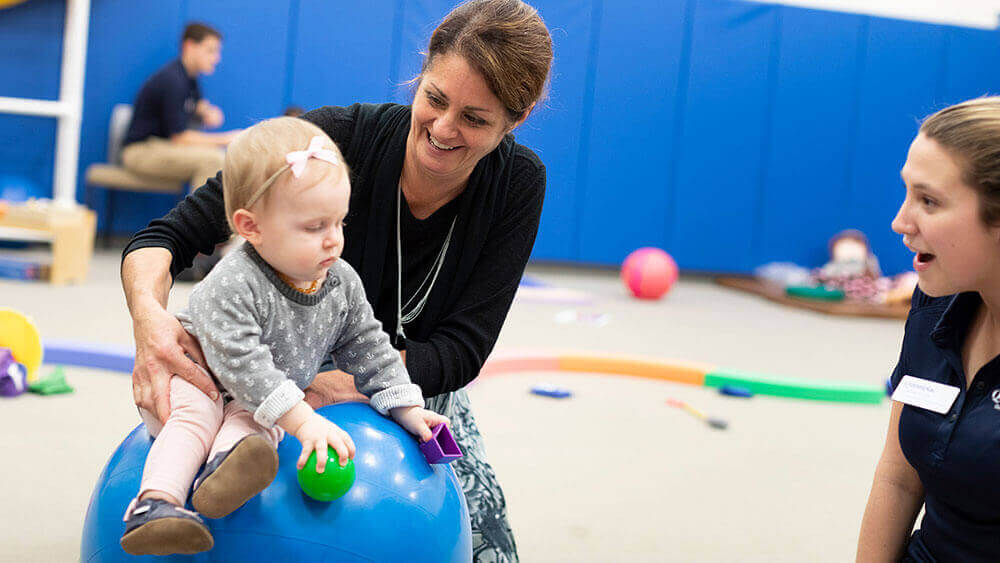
(678, 372)
(18, 334)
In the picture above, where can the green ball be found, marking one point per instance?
(332, 483)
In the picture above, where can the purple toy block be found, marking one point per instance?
(13, 376)
(441, 448)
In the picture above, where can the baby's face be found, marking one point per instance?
(302, 221)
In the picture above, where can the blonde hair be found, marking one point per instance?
(258, 153)
(970, 132)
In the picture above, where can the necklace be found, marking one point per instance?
(308, 291)
(431, 277)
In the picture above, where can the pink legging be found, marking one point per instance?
(197, 429)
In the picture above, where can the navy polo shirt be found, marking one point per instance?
(165, 105)
(956, 454)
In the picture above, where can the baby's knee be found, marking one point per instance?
(189, 405)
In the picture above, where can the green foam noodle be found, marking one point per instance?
(798, 388)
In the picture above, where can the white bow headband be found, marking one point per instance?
(296, 162)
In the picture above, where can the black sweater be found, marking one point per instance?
(497, 219)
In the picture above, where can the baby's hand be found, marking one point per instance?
(315, 434)
(418, 421)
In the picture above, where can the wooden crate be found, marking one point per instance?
(68, 230)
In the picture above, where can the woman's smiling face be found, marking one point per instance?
(456, 120)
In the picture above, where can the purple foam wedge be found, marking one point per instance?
(441, 448)
(13, 376)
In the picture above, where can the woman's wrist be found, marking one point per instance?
(146, 279)
(145, 306)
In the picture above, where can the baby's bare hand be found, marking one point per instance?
(418, 421)
(318, 433)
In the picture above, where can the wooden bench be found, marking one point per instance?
(114, 177)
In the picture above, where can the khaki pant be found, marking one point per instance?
(161, 158)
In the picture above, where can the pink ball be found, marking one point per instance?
(649, 273)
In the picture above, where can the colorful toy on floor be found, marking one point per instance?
(546, 390)
(690, 373)
(99, 356)
(649, 273)
(332, 483)
(399, 508)
(13, 376)
(51, 384)
(442, 447)
(735, 391)
(19, 335)
(817, 292)
(712, 421)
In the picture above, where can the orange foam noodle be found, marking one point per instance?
(678, 372)
(505, 363)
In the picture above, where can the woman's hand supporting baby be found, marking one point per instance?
(162, 347)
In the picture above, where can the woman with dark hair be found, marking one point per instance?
(443, 215)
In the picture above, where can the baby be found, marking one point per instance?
(267, 316)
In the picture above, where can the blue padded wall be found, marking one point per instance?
(260, 76)
(342, 53)
(556, 128)
(625, 188)
(807, 169)
(29, 67)
(417, 19)
(729, 133)
(973, 56)
(902, 81)
(720, 149)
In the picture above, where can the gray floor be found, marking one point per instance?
(612, 474)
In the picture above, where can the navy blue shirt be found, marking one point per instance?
(165, 105)
(956, 454)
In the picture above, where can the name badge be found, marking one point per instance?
(925, 394)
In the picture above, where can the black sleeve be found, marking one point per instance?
(459, 345)
(337, 122)
(198, 223)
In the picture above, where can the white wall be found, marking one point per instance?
(970, 13)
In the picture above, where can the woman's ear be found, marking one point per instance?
(523, 117)
(246, 226)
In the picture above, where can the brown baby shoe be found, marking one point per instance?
(233, 477)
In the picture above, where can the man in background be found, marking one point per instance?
(165, 138)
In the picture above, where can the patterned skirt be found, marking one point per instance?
(492, 539)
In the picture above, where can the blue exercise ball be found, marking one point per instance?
(400, 508)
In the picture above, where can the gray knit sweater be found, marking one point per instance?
(264, 341)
